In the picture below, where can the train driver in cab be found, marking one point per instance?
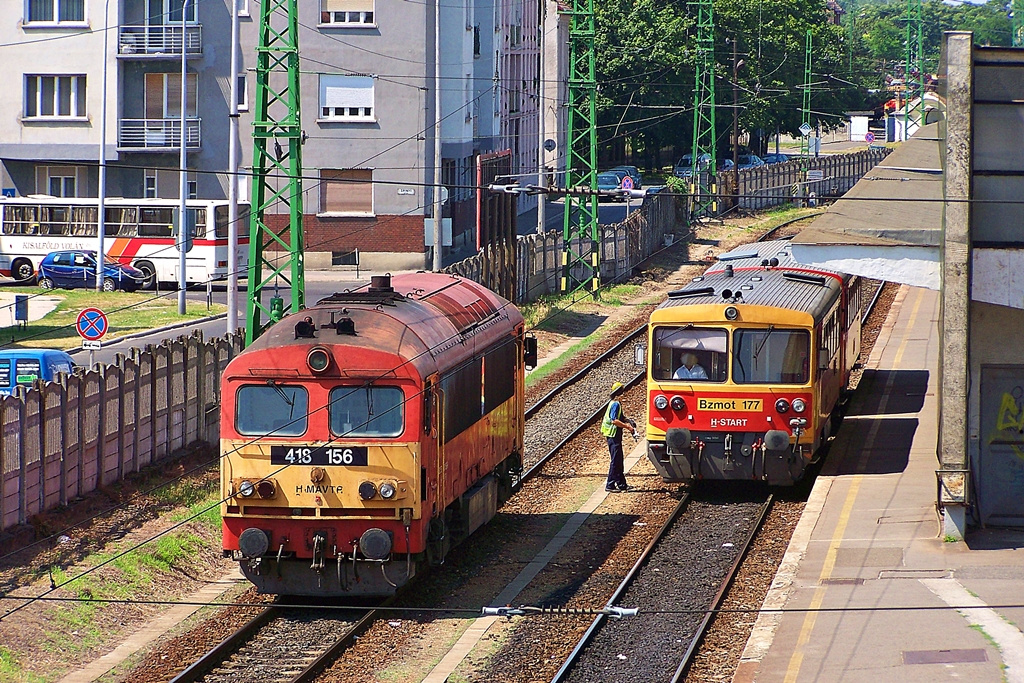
(689, 368)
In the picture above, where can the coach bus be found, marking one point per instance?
(139, 232)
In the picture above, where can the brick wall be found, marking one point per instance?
(375, 234)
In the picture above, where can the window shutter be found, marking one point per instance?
(346, 191)
(347, 5)
(346, 91)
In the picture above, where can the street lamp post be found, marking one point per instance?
(101, 217)
(232, 318)
(182, 173)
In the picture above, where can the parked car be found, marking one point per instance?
(77, 268)
(684, 167)
(634, 173)
(775, 158)
(24, 366)
(749, 161)
(609, 181)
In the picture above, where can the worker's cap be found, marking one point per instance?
(616, 388)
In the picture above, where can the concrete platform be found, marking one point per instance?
(868, 590)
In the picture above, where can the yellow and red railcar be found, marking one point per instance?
(747, 366)
(363, 437)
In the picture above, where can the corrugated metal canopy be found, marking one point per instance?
(881, 228)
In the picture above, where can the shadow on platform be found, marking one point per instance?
(901, 391)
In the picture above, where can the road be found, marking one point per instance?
(607, 214)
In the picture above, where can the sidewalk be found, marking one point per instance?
(867, 585)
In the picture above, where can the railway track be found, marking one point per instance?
(279, 645)
(703, 540)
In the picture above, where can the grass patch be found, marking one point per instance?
(127, 313)
(10, 669)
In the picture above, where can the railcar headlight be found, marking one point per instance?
(367, 490)
(782, 405)
(246, 489)
(318, 359)
(678, 403)
(266, 489)
(387, 490)
(661, 403)
(731, 313)
(799, 405)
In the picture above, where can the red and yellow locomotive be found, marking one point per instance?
(747, 365)
(363, 437)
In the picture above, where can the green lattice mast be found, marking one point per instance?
(1017, 21)
(913, 76)
(581, 254)
(704, 188)
(276, 256)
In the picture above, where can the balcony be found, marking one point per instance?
(159, 42)
(157, 135)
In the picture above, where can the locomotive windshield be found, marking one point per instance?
(771, 356)
(271, 408)
(692, 354)
(367, 411)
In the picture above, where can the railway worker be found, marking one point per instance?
(690, 369)
(614, 422)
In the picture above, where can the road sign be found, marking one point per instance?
(815, 175)
(627, 183)
(92, 344)
(805, 129)
(92, 324)
(869, 137)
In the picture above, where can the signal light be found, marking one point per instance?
(678, 403)
(782, 405)
(731, 313)
(367, 490)
(318, 359)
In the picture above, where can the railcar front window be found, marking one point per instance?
(771, 356)
(690, 354)
(272, 409)
(367, 411)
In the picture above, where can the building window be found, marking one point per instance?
(243, 94)
(164, 183)
(346, 98)
(55, 11)
(54, 97)
(172, 9)
(346, 191)
(243, 8)
(163, 95)
(60, 181)
(346, 13)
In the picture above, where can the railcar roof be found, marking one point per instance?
(778, 287)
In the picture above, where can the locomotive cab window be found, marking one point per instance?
(367, 411)
(692, 354)
(275, 409)
(771, 356)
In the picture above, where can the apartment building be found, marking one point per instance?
(57, 53)
(367, 86)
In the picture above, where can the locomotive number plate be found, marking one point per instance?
(318, 455)
(742, 405)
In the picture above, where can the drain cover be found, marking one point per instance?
(944, 656)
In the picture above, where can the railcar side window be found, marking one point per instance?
(691, 354)
(771, 356)
(367, 411)
(277, 409)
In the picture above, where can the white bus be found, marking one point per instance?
(140, 232)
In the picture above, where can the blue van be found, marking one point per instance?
(24, 366)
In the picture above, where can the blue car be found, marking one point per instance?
(24, 366)
(77, 268)
(610, 181)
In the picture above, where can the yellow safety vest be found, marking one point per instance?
(608, 428)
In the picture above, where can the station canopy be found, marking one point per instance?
(889, 225)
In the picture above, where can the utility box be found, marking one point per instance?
(21, 309)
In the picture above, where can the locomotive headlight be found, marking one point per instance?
(367, 490)
(387, 490)
(318, 359)
(782, 405)
(799, 405)
(661, 403)
(246, 489)
(678, 403)
(731, 313)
